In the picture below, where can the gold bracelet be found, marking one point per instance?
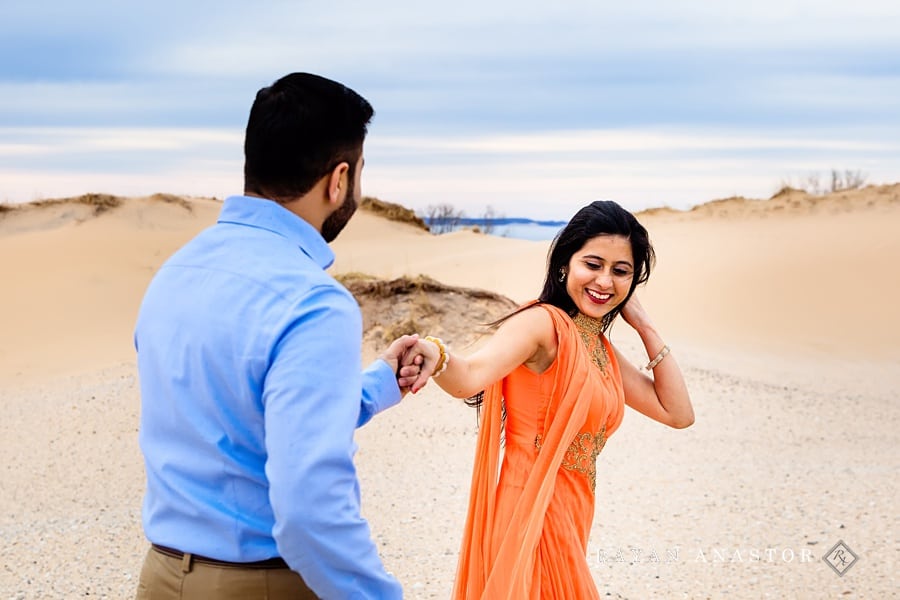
(658, 358)
(443, 359)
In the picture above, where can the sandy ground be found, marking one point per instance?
(783, 319)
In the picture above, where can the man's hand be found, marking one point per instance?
(406, 362)
(424, 355)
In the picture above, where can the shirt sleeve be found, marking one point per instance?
(379, 391)
(312, 398)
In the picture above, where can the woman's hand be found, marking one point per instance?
(423, 357)
(664, 397)
(635, 315)
(407, 362)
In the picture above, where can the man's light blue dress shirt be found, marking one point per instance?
(249, 361)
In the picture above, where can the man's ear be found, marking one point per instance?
(337, 181)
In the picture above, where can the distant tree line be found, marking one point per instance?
(444, 218)
(816, 184)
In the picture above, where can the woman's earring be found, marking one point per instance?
(562, 275)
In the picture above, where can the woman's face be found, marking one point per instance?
(600, 274)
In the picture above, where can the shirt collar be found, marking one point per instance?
(269, 215)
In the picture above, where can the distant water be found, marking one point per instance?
(528, 231)
(522, 229)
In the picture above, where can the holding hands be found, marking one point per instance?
(413, 360)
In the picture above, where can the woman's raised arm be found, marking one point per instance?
(527, 337)
(664, 397)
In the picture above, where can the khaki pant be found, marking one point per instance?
(164, 577)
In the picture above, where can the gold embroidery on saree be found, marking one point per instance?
(591, 334)
(581, 456)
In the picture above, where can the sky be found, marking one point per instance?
(530, 108)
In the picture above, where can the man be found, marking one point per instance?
(249, 363)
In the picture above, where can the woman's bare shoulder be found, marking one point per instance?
(535, 324)
(535, 318)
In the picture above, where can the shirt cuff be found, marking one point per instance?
(380, 386)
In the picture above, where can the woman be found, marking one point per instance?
(554, 391)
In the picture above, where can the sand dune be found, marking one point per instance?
(75, 279)
(788, 201)
(781, 312)
(808, 284)
(793, 274)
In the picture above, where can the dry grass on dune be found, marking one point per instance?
(173, 199)
(104, 202)
(406, 305)
(391, 211)
(138, 211)
(100, 202)
(788, 201)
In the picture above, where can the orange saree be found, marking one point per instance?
(528, 522)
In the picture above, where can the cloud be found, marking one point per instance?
(543, 175)
(476, 102)
(140, 153)
(126, 104)
(551, 174)
(508, 66)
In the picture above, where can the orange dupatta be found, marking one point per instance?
(508, 573)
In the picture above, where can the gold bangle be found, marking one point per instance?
(658, 358)
(443, 359)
